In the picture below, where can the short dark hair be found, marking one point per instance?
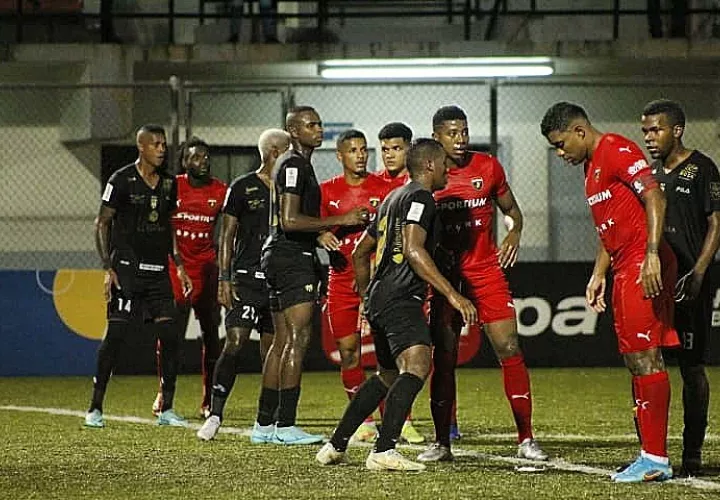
(151, 128)
(671, 109)
(448, 113)
(301, 109)
(184, 149)
(394, 130)
(420, 151)
(294, 111)
(352, 133)
(560, 116)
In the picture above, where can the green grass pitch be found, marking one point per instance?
(582, 417)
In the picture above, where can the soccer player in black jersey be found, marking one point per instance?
(134, 238)
(403, 238)
(692, 228)
(289, 263)
(242, 288)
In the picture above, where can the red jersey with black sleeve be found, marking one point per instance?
(615, 179)
(339, 197)
(466, 210)
(194, 219)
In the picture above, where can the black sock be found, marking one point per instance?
(398, 402)
(267, 406)
(167, 332)
(107, 356)
(224, 380)
(366, 399)
(287, 409)
(696, 398)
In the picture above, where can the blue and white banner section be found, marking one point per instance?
(51, 323)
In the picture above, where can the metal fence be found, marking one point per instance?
(167, 20)
(60, 142)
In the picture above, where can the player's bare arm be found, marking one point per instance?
(362, 265)
(710, 246)
(228, 230)
(508, 251)
(595, 290)
(292, 219)
(102, 243)
(650, 272)
(181, 274)
(414, 251)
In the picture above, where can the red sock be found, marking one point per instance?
(442, 394)
(517, 390)
(352, 379)
(652, 404)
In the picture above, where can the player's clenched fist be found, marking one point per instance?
(357, 216)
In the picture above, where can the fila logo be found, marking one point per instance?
(334, 203)
(625, 149)
(521, 396)
(645, 336)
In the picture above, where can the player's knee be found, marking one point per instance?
(235, 339)
(299, 338)
(387, 376)
(644, 362)
(114, 337)
(349, 358)
(167, 333)
(692, 374)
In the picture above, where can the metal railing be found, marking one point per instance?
(345, 11)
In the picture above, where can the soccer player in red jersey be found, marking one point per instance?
(628, 208)
(476, 183)
(355, 187)
(200, 199)
(395, 139)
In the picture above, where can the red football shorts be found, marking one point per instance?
(204, 278)
(487, 287)
(642, 324)
(342, 315)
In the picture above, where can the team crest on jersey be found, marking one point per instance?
(596, 174)
(689, 172)
(212, 202)
(477, 183)
(374, 201)
(255, 204)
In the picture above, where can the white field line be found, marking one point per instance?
(557, 463)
